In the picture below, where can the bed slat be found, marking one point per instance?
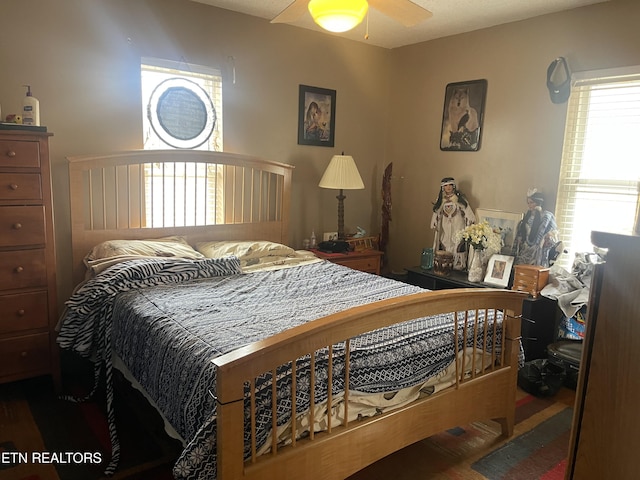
(250, 193)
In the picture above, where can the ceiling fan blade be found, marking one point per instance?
(404, 11)
(292, 13)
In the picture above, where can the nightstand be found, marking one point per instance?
(432, 281)
(363, 260)
(540, 315)
(540, 320)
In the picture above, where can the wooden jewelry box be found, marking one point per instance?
(530, 279)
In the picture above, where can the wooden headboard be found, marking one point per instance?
(236, 197)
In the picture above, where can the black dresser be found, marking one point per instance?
(540, 315)
(432, 281)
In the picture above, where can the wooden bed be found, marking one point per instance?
(108, 202)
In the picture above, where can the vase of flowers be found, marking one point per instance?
(485, 242)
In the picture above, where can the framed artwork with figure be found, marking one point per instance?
(499, 270)
(316, 116)
(462, 116)
(504, 222)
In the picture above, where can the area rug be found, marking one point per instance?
(537, 454)
(44, 438)
(536, 451)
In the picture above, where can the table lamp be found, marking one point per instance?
(341, 174)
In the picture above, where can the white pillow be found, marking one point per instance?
(157, 247)
(244, 250)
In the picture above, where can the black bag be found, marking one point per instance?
(541, 378)
(566, 354)
(333, 247)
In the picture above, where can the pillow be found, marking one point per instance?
(244, 250)
(158, 247)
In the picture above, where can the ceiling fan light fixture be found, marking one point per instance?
(338, 15)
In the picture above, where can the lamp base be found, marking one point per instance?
(341, 197)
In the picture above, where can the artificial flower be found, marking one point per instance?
(481, 236)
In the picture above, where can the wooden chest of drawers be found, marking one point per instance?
(28, 310)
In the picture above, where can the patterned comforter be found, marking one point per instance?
(167, 333)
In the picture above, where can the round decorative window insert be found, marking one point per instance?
(181, 113)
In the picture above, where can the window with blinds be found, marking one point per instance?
(599, 181)
(182, 108)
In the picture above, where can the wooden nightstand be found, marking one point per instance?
(364, 260)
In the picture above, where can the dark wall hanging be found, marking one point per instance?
(317, 116)
(462, 116)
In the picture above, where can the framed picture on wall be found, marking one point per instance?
(316, 116)
(499, 270)
(462, 116)
(504, 222)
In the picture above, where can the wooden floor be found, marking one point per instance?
(417, 461)
(414, 461)
(566, 396)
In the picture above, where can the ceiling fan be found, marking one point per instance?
(343, 15)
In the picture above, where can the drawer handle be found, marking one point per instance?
(20, 312)
(14, 186)
(17, 226)
(19, 269)
(24, 354)
(11, 153)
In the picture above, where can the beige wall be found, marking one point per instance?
(82, 59)
(523, 130)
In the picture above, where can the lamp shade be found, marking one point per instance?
(342, 173)
(338, 15)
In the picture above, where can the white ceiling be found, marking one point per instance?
(450, 17)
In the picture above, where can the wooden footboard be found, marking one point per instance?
(479, 392)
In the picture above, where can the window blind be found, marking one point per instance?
(599, 180)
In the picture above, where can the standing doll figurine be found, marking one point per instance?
(451, 213)
(537, 233)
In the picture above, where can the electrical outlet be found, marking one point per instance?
(327, 236)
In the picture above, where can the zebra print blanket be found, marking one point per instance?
(86, 326)
(81, 328)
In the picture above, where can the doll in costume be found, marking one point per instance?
(451, 213)
(537, 233)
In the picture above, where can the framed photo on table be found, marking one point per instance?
(316, 116)
(504, 222)
(499, 270)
